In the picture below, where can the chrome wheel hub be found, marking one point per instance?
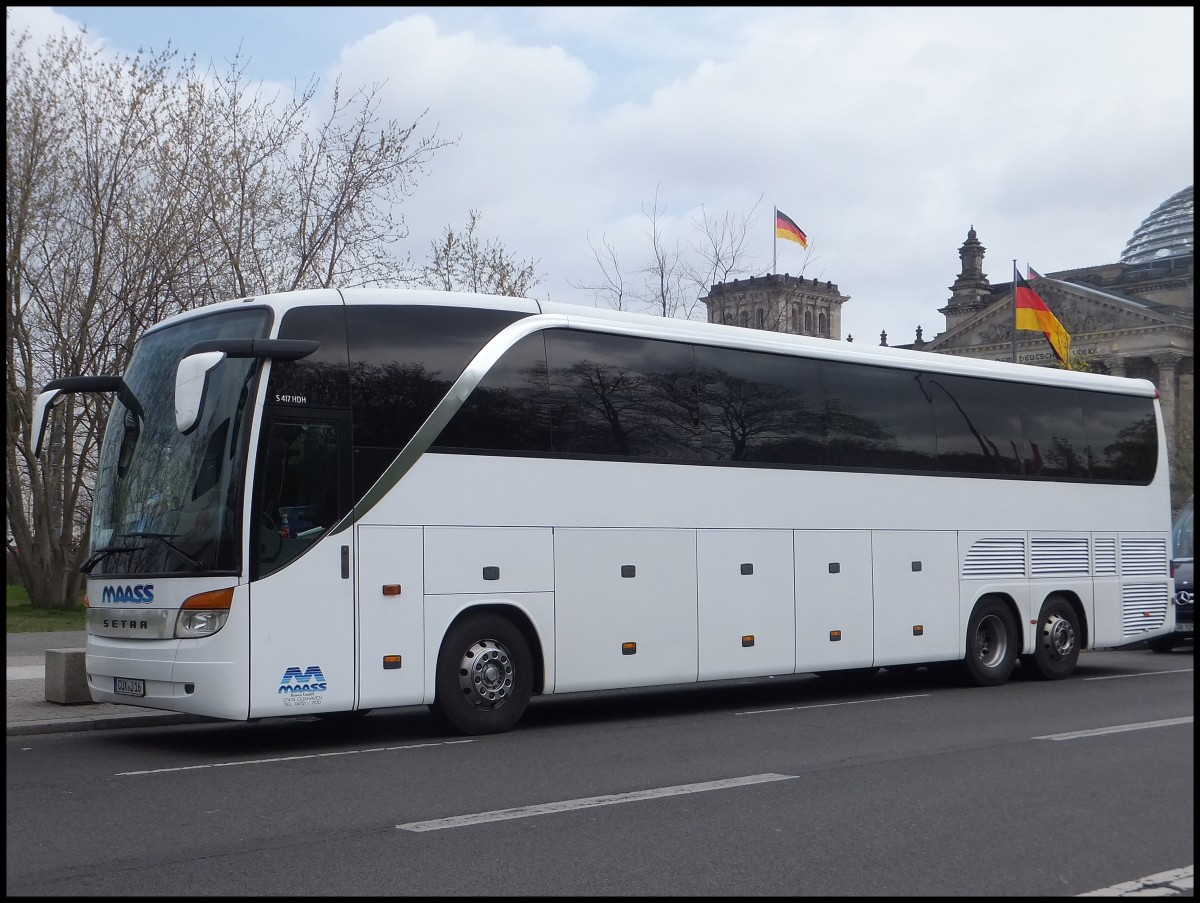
(486, 674)
(1058, 636)
(991, 641)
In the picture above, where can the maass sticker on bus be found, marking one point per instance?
(302, 688)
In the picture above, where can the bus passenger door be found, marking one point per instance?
(301, 597)
(391, 622)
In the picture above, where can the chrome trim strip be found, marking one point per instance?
(132, 623)
(474, 373)
(471, 376)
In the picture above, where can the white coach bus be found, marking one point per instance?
(342, 500)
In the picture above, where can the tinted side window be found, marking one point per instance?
(1122, 437)
(320, 379)
(402, 360)
(300, 491)
(878, 418)
(760, 407)
(978, 427)
(510, 408)
(621, 395)
(1052, 425)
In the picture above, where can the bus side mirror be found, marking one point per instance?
(46, 400)
(52, 393)
(191, 383)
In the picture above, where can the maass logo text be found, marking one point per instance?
(296, 681)
(141, 594)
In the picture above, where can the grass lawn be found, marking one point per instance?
(21, 617)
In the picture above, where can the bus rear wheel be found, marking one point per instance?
(484, 675)
(991, 643)
(1057, 641)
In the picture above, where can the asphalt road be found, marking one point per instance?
(905, 784)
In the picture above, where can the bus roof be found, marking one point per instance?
(649, 326)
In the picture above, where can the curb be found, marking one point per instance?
(102, 722)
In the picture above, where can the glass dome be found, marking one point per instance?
(1165, 233)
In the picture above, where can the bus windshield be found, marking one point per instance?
(168, 502)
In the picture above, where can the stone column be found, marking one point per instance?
(1185, 429)
(1166, 391)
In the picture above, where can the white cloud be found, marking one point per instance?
(885, 132)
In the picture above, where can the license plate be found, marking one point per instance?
(129, 686)
(1185, 627)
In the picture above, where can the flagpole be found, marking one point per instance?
(774, 242)
(1014, 350)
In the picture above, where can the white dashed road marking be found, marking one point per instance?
(830, 705)
(478, 818)
(1116, 729)
(278, 759)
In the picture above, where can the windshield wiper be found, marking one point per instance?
(165, 539)
(100, 554)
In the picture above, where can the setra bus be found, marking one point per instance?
(334, 501)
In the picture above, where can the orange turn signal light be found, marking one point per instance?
(216, 599)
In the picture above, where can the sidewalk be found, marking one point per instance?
(28, 711)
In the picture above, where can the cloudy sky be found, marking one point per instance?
(885, 133)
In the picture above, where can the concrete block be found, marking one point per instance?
(66, 676)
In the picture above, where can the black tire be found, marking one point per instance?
(991, 643)
(1058, 638)
(1162, 644)
(484, 675)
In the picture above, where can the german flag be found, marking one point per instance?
(785, 227)
(1033, 314)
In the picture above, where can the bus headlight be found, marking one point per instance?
(204, 614)
(199, 623)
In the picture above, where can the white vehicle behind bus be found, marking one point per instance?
(344, 500)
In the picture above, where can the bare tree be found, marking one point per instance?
(672, 282)
(140, 186)
(459, 262)
(612, 288)
(663, 275)
(349, 182)
(722, 251)
(79, 208)
(664, 272)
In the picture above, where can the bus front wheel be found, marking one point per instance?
(1057, 641)
(991, 643)
(484, 675)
